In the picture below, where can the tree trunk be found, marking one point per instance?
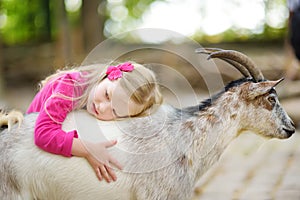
(93, 23)
(63, 44)
(47, 25)
(1, 68)
(1, 71)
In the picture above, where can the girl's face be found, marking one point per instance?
(108, 101)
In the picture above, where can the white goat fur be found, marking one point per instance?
(189, 141)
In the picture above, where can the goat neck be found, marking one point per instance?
(214, 128)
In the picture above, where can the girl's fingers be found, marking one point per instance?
(104, 173)
(98, 173)
(110, 143)
(115, 163)
(111, 173)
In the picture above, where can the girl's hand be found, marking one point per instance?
(100, 160)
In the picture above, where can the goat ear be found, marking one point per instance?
(261, 88)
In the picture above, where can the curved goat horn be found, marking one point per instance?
(235, 57)
(238, 66)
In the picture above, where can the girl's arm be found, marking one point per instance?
(49, 136)
(48, 133)
(103, 168)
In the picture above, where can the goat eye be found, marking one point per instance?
(272, 99)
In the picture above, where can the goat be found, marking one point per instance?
(163, 154)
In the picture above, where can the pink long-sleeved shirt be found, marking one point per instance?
(53, 109)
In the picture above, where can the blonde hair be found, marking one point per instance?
(140, 84)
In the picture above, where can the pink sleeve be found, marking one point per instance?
(48, 133)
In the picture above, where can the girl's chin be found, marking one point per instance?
(90, 111)
(104, 118)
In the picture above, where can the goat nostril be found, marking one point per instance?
(289, 132)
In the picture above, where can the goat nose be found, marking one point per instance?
(293, 124)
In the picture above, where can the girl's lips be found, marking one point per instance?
(95, 110)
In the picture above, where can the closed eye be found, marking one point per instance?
(107, 95)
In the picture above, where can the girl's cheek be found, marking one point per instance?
(97, 95)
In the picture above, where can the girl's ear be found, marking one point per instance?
(261, 88)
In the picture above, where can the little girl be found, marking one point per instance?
(126, 90)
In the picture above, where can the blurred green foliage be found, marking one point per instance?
(269, 34)
(137, 7)
(23, 21)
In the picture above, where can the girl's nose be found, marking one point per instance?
(103, 107)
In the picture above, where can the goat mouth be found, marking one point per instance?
(289, 132)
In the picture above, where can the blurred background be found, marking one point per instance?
(38, 37)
